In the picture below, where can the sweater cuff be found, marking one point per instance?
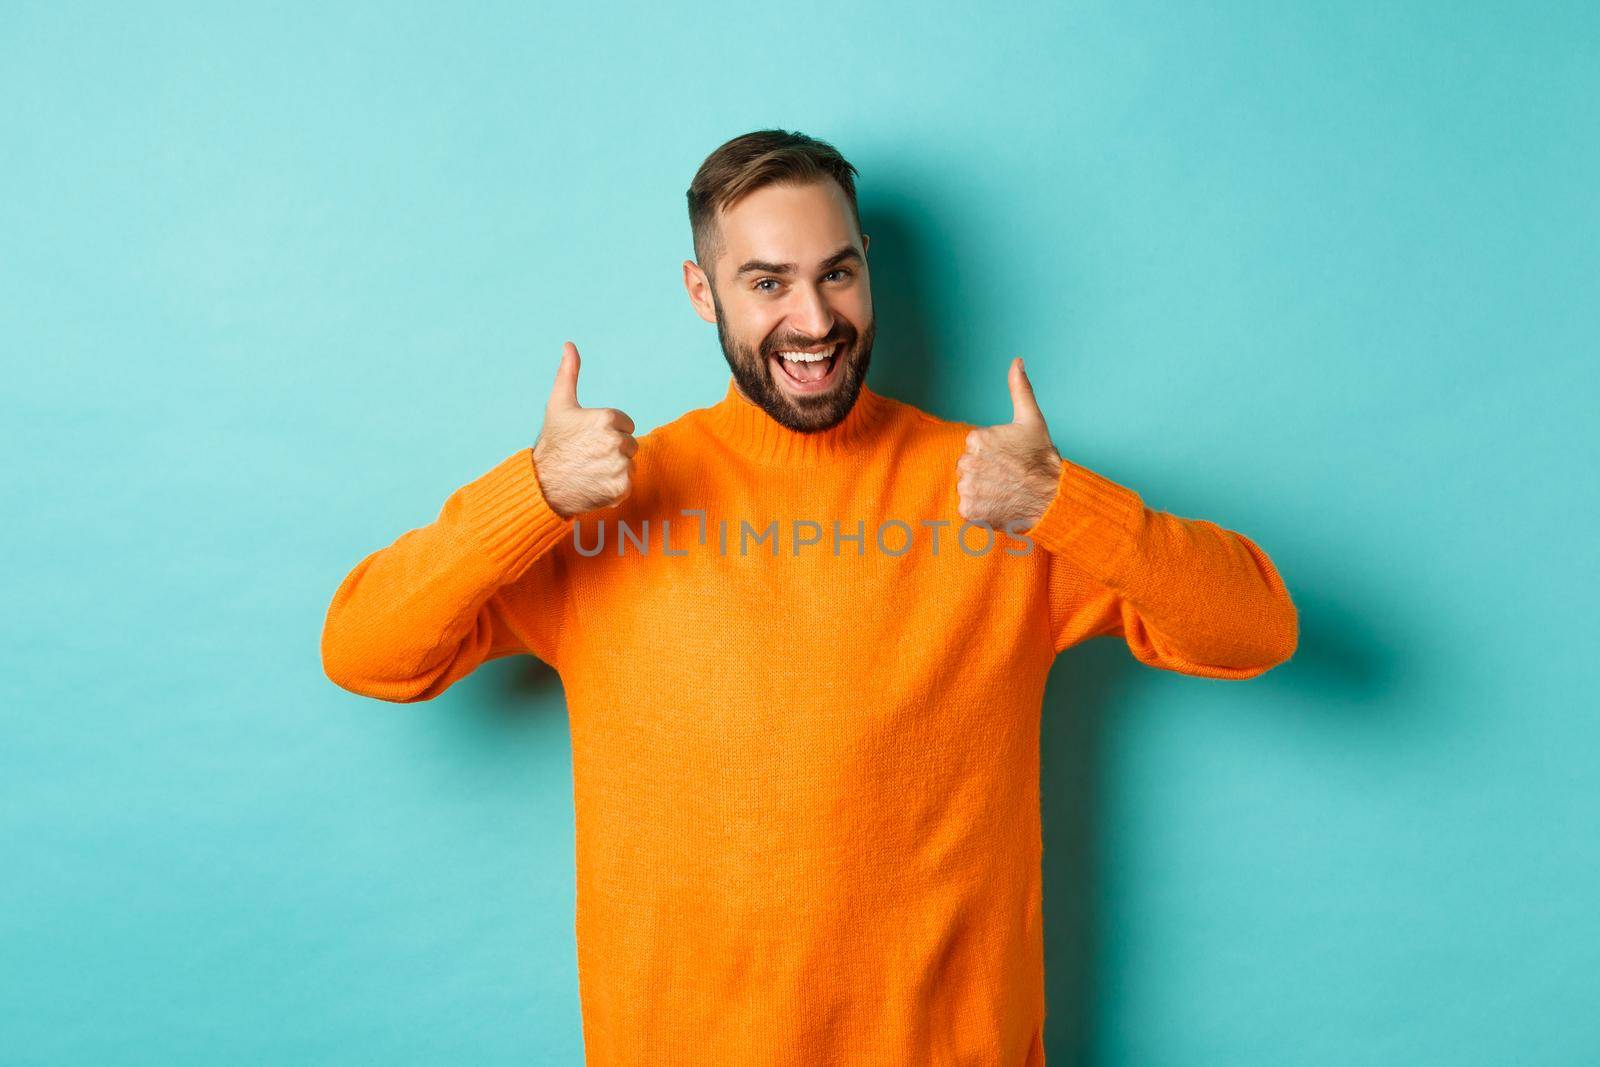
(1092, 521)
(508, 517)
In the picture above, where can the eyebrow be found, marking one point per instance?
(755, 266)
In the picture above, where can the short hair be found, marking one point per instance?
(750, 161)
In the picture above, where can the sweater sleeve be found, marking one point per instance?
(1185, 594)
(415, 617)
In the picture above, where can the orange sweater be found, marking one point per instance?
(805, 780)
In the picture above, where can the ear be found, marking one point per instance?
(698, 287)
(865, 241)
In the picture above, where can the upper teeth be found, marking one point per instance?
(807, 357)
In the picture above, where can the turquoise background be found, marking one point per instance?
(273, 283)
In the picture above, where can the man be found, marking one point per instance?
(803, 663)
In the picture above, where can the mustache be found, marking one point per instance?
(794, 342)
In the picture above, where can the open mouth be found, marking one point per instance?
(809, 372)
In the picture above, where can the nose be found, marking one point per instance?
(812, 317)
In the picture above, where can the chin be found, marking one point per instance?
(814, 408)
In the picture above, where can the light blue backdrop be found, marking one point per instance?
(272, 284)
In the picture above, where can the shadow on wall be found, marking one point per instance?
(534, 683)
(905, 356)
(1342, 660)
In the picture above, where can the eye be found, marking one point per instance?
(846, 271)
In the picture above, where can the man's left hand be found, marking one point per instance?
(1010, 473)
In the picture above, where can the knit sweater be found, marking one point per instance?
(805, 755)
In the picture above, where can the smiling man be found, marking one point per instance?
(802, 357)
(803, 665)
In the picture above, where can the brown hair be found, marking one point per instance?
(748, 162)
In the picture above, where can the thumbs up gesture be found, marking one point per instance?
(584, 456)
(1010, 473)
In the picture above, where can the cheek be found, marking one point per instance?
(858, 315)
(857, 303)
(758, 331)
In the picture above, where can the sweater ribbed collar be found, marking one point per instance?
(747, 429)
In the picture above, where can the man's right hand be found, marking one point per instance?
(584, 456)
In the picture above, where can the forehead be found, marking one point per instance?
(788, 222)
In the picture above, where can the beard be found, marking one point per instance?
(752, 370)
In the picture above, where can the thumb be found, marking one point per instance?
(565, 393)
(1024, 408)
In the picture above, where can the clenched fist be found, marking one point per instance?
(1010, 473)
(584, 456)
